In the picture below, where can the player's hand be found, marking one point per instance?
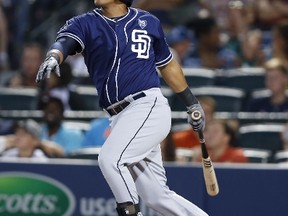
(50, 64)
(197, 125)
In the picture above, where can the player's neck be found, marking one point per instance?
(114, 11)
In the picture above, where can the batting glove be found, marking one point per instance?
(50, 64)
(198, 125)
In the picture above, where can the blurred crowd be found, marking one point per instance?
(216, 35)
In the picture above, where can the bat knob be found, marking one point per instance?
(196, 115)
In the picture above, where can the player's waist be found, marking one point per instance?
(117, 107)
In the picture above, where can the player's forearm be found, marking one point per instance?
(174, 77)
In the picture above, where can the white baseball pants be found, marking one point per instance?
(131, 160)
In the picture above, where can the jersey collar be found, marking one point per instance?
(98, 11)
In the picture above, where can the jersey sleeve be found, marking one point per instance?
(163, 54)
(73, 29)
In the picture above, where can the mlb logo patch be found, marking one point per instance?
(142, 23)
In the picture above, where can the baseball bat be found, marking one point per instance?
(210, 178)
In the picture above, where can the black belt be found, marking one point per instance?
(121, 106)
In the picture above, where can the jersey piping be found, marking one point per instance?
(165, 61)
(112, 20)
(127, 39)
(116, 79)
(73, 36)
(116, 51)
(115, 55)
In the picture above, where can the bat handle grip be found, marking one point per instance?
(196, 115)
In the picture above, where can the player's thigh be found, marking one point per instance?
(138, 130)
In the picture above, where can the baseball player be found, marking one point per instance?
(122, 47)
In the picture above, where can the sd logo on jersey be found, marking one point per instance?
(141, 41)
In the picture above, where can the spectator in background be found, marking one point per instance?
(186, 137)
(179, 40)
(61, 88)
(276, 80)
(4, 61)
(98, 133)
(54, 130)
(168, 148)
(209, 52)
(252, 54)
(220, 140)
(227, 11)
(284, 137)
(269, 13)
(209, 106)
(41, 11)
(245, 41)
(280, 41)
(160, 8)
(26, 143)
(32, 57)
(16, 13)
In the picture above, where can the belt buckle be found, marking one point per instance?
(118, 107)
(114, 110)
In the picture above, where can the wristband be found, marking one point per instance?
(187, 97)
(53, 54)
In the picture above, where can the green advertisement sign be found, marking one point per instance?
(30, 194)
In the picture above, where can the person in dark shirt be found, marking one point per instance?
(276, 81)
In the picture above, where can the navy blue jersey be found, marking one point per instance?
(121, 55)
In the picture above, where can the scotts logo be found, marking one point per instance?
(30, 194)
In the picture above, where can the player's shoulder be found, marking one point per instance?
(142, 14)
(86, 16)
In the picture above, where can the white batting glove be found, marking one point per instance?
(197, 125)
(50, 64)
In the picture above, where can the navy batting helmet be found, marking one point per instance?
(127, 2)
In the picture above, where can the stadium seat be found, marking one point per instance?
(82, 81)
(184, 154)
(281, 157)
(196, 77)
(257, 155)
(85, 153)
(265, 136)
(18, 98)
(227, 99)
(247, 79)
(77, 125)
(262, 93)
(89, 96)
